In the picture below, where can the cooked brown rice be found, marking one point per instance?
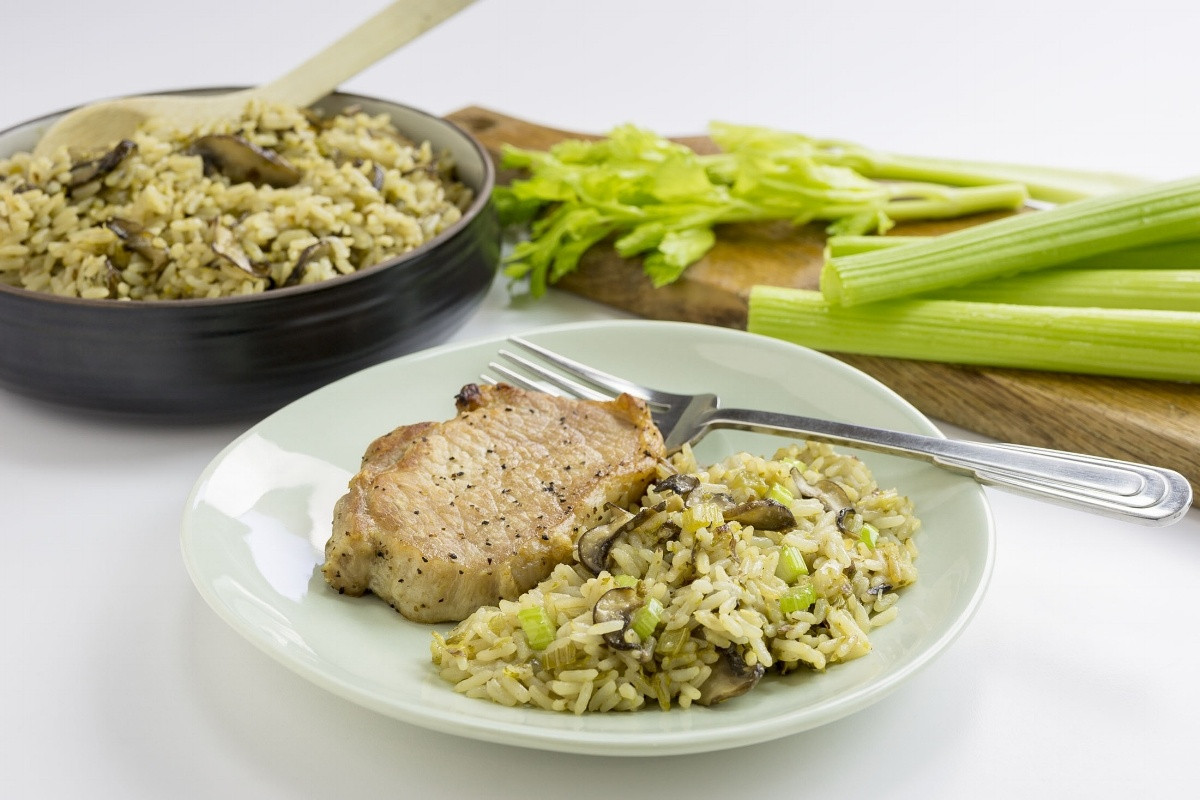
(365, 194)
(718, 586)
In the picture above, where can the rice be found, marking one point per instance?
(719, 583)
(160, 225)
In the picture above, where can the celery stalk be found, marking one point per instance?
(1163, 212)
(1133, 278)
(837, 246)
(948, 203)
(1183, 254)
(1162, 345)
(1052, 184)
(1164, 289)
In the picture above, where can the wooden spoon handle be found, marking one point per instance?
(396, 25)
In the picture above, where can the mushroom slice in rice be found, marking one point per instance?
(85, 172)
(244, 162)
(730, 677)
(230, 253)
(621, 603)
(764, 515)
(135, 239)
(323, 248)
(679, 483)
(375, 172)
(112, 277)
(593, 546)
(834, 498)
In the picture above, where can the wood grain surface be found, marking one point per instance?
(1155, 422)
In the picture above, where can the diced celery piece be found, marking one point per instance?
(646, 618)
(626, 581)
(701, 515)
(868, 535)
(798, 598)
(780, 494)
(536, 625)
(560, 654)
(672, 642)
(791, 564)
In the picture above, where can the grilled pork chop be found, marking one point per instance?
(444, 517)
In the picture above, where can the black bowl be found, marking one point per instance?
(240, 357)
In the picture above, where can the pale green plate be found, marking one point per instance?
(256, 522)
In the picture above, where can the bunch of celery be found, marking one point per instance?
(1076, 288)
(661, 200)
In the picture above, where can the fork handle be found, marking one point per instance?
(1140, 492)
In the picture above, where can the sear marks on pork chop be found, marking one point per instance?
(444, 517)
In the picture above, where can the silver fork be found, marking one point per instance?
(1138, 492)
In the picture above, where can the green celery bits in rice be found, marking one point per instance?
(276, 198)
(721, 575)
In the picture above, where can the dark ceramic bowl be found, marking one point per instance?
(241, 357)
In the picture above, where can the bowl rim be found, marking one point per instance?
(482, 199)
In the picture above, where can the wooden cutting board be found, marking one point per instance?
(1155, 422)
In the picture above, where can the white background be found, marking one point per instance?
(1078, 676)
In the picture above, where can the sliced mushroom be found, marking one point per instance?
(763, 515)
(730, 677)
(679, 483)
(87, 171)
(112, 277)
(594, 545)
(849, 520)
(832, 494)
(322, 248)
(242, 161)
(377, 173)
(669, 530)
(377, 177)
(135, 239)
(834, 498)
(619, 603)
(231, 254)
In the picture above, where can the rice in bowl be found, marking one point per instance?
(711, 603)
(160, 217)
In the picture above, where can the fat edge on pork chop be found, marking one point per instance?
(444, 517)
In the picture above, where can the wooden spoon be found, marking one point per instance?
(99, 125)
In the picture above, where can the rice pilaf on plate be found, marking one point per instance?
(721, 575)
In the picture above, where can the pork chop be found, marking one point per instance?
(444, 517)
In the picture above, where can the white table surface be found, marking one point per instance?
(1076, 679)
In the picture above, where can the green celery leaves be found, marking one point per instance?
(660, 200)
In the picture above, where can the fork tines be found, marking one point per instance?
(545, 380)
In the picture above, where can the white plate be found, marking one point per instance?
(256, 522)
